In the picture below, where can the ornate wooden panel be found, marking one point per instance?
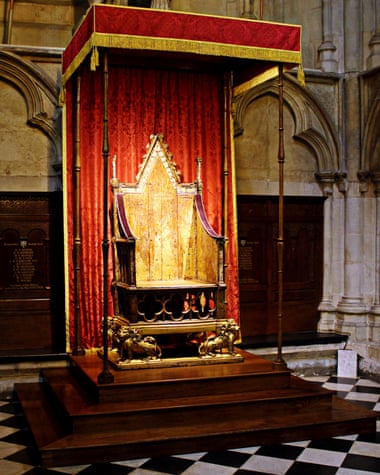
(31, 273)
(303, 261)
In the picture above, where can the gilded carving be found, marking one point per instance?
(222, 342)
(129, 343)
(130, 348)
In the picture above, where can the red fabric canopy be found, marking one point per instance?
(185, 33)
(162, 79)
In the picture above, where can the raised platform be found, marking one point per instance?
(146, 413)
(218, 358)
(292, 339)
(306, 353)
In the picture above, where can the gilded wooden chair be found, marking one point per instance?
(169, 262)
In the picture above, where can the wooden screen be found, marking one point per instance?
(31, 273)
(303, 261)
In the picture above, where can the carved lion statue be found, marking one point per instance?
(134, 345)
(129, 343)
(225, 339)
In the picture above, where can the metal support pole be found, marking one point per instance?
(105, 377)
(9, 25)
(261, 9)
(279, 362)
(78, 349)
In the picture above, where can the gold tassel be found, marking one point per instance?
(301, 75)
(94, 58)
(62, 96)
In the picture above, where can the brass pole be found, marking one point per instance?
(105, 376)
(77, 350)
(261, 9)
(8, 34)
(226, 171)
(279, 362)
(228, 175)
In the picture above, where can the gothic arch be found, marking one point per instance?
(312, 126)
(34, 84)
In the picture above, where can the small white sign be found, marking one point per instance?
(347, 364)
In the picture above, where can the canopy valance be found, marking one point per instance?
(248, 47)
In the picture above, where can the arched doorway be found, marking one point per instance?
(311, 151)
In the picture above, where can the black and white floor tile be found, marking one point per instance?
(349, 455)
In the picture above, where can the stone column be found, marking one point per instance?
(162, 4)
(374, 314)
(352, 36)
(247, 9)
(278, 10)
(373, 59)
(326, 307)
(327, 49)
(376, 304)
(351, 310)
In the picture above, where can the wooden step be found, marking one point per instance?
(252, 374)
(86, 415)
(45, 421)
(75, 421)
(326, 419)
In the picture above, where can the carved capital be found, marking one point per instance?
(364, 177)
(326, 179)
(341, 181)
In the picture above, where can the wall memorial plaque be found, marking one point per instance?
(31, 275)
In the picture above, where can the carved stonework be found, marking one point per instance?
(311, 123)
(40, 95)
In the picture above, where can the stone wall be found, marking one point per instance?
(34, 34)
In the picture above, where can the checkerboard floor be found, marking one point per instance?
(349, 455)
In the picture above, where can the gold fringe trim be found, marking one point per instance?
(62, 96)
(255, 81)
(301, 72)
(301, 75)
(196, 47)
(105, 40)
(78, 60)
(94, 59)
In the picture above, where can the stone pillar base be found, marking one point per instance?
(353, 324)
(326, 322)
(374, 330)
(327, 314)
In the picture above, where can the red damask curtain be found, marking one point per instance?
(187, 108)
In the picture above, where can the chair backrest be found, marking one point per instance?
(165, 224)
